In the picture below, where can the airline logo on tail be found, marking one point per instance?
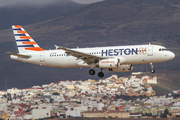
(24, 41)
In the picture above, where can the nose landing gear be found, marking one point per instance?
(152, 68)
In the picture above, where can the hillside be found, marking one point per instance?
(111, 22)
(24, 14)
(117, 20)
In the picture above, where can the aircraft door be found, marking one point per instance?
(42, 56)
(150, 50)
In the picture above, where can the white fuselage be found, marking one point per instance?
(134, 54)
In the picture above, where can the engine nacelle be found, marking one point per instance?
(122, 68)
(109, 63)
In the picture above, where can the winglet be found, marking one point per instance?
(56, 47)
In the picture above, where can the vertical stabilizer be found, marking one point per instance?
(24, 41)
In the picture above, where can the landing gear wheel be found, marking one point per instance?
(91, 72)
(101, 74)
(152, 68)
(152, 71)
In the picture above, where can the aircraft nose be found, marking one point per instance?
(172, 55)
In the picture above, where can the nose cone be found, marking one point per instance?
(171, 55)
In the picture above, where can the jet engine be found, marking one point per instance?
(111, 62)
(122, 68)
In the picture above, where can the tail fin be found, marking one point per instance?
(24, 41)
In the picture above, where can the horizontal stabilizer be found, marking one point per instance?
(19, 55)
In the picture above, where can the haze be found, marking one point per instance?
(41, 2)
(86, 1)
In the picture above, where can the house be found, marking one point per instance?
(41, 113)
(116, 114)
(136, 115)
(57, 98)
(27, 98)
(6, 116)
(174, 113)
(107, 114)
(66, 103)
(84, 108)
(2, 113)
(27, 116)
(152, 80)
(100, 106)
(150, 93)
(73, 111)
(3, 107)
(17, 115)
(14, 91)
(92, 114)
(14, 117)
(114, 77)
(71, 87)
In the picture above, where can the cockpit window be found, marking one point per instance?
(163, 49)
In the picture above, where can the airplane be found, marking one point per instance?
(114, 58)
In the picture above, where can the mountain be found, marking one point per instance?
(24, 14)
(106, 23)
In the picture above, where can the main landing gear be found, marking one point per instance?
(92, 72)
(100, 74)
(152, 68)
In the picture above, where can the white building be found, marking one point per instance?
(14, 91)
(58, 98)
(100, 106)
(3, 107)
(73, 111)
(41, 113)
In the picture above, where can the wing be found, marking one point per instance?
(87, 58)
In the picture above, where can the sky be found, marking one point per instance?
(41, 2)
(28, 2)
(86, 1)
